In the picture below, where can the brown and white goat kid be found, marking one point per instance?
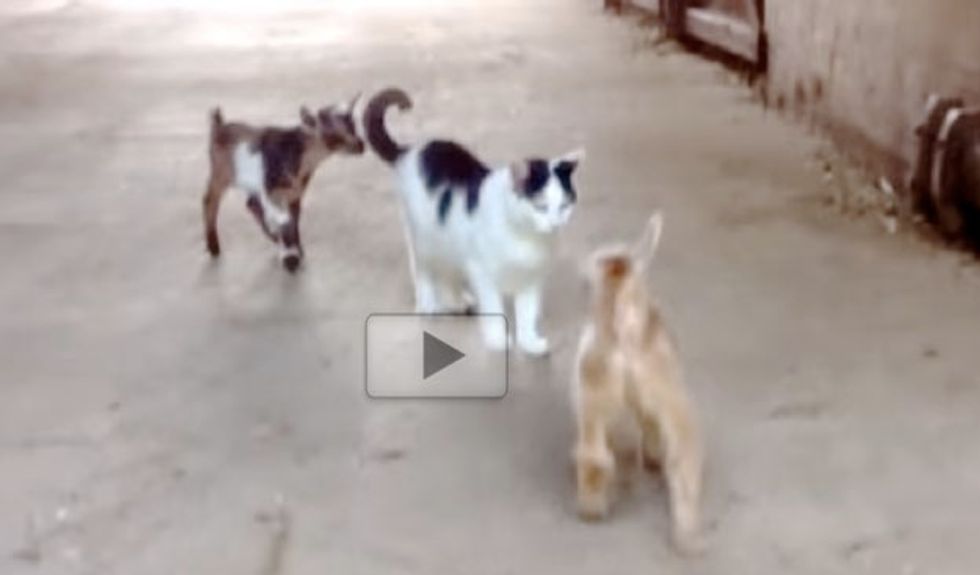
(273, 166)
(628, 372)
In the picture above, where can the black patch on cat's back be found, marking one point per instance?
(282, 154)
(449, 163)
(447, 167)
(445, 202)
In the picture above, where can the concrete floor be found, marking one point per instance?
(158, 410)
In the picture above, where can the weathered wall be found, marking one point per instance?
(864, 68)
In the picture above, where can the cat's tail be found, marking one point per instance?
(374, 123)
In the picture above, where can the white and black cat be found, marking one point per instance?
(476, 232)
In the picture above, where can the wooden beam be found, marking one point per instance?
(648, 5)
(724, 31)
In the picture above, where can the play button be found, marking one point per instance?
(437, 355)
(433, 356)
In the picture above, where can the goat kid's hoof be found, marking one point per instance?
(291, 263)
(214, 248)
(593, 510)
(689, 544)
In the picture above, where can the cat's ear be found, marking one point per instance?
(644, 250)
(309, 120)
(572, 159)
(530, 176)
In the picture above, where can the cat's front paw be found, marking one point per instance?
(534, 345)
(496, 340)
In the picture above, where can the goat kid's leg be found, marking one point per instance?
(683, 473)
(256, 208)
(295, 210)
(279, 225)
(680, 453)
(290, 250)
(595, 464)
(211, 203)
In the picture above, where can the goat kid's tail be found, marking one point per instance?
(217, 125)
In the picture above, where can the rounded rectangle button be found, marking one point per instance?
(433, 356)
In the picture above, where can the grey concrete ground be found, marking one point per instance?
(158, 410)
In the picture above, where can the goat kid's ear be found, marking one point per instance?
(353, 103)
(309, 120)
(647, 246)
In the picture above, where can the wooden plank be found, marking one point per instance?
(672, 16)
(753, 14)
(648, 5)
(724, 31)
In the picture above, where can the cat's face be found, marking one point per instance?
(546, 191)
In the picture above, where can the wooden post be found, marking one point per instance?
(672, 14)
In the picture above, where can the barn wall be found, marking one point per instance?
(865, 68)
